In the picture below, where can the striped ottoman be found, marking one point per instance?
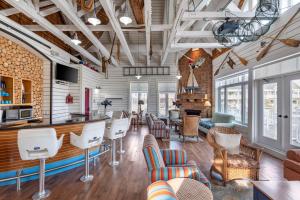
(179, 189)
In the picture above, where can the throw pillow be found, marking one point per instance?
(231, 142)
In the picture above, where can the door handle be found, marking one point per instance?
(285, 116)
(279, 116)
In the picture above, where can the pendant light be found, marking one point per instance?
(75, 40)
(138, 75)
(93, 19)
(126, 19)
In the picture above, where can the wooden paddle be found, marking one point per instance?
(230, 62)
(264, 52)
(242, 60)
(289, 42)
(218, 70)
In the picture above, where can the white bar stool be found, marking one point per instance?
(116, 131)
(39, 144)
(92, 135)
(122, 151)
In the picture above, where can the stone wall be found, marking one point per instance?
(19, 63)
(204, 78)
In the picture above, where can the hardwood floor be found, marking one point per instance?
(128, 181)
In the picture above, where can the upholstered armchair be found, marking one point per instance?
(234, 166)
(168, 164)
(173, 117)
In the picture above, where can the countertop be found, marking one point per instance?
(38, 123)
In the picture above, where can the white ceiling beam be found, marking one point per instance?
(148, 21)
(183, 4)
(68, 11)
(154, 28)
(217, 15)
(49, 11)
(181, 46)
(12, 11)
(110, 12)
(194, 34)
(31, 12)
(189, 23)
(34, 37)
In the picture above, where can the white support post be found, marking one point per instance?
(108, 7)
(183, 4)
(31, 12)
(148, 21)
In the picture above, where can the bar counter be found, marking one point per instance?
(10, 161)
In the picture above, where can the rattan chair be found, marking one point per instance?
(239, 166)
(190, 126)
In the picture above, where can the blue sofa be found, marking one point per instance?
(218, 119)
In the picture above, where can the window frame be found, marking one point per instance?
(139, 94)
(243, 84)
(166, 102)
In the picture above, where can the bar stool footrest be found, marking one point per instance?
(43, 195)
(87, 178)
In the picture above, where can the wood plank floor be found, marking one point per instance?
(128, 181)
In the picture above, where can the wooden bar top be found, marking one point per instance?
(37, 123)
(9, 153)
(279, 190)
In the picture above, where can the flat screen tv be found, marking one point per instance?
(65, 73)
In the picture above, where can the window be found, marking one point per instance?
(166, 97)
(138, 92)
(232, 96)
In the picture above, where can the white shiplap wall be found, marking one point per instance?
(278, 61)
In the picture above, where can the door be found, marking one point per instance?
(270, 113)
(292, 115)
(87, 101)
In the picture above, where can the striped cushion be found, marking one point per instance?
(152, 153)
(168, 173)
(174, 157)
(160, 190)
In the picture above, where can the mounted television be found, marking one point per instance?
(65, 73)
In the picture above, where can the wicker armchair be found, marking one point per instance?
(238, 166)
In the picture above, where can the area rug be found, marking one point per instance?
(175, 137)
(235, 190)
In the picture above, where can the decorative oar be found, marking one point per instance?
(218, 70)
(242, 60)
(288, 42)
(264, 52)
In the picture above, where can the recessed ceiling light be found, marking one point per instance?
(94, 21)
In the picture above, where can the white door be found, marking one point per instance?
(292, 114)
(270, 113)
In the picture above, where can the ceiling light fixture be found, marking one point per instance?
(126, 19)
(178, 76)
(138, 77)
(75, 40)
(93, 19)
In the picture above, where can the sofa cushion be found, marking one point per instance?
(222, 118)
(160, 190)
(295, 166)
(241, 161)
(207, 124)
(231, 142)
(294, 154)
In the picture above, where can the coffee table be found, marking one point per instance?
(276, 190)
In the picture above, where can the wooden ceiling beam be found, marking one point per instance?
(65, 7)
(137, 7)
(12, 11)
(109, 10)
(34, 15)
